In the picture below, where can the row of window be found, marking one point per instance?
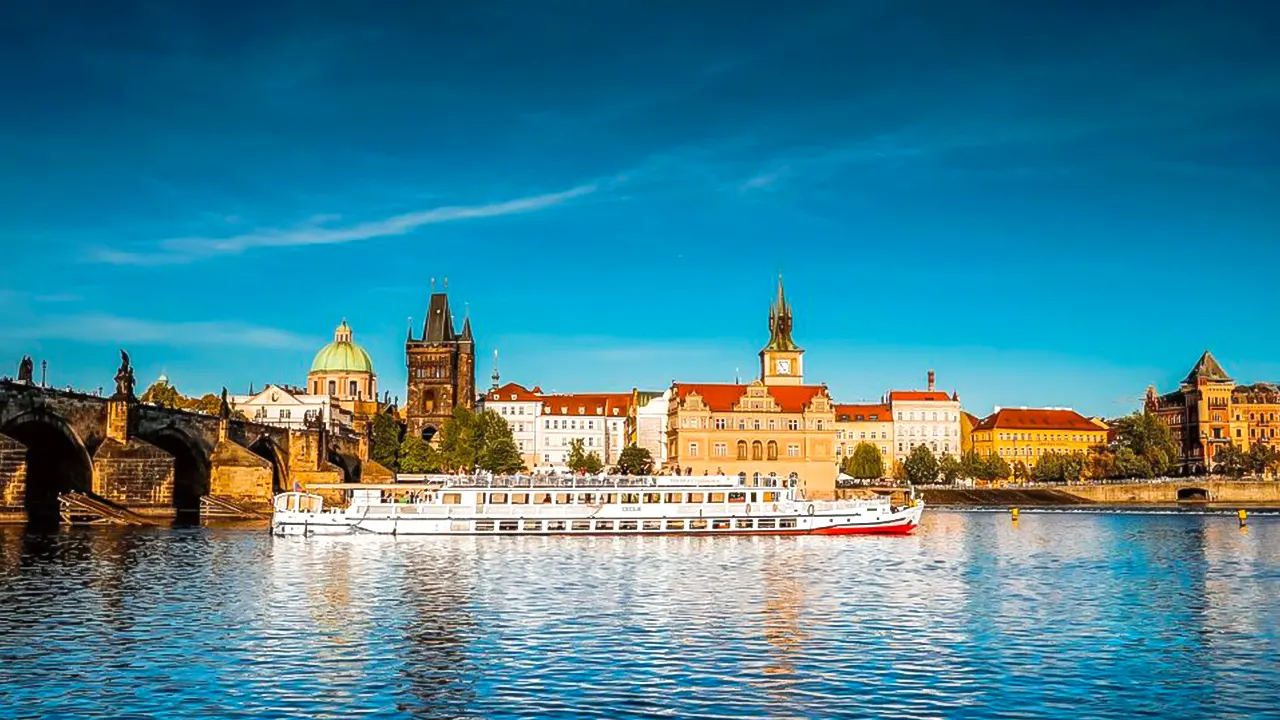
(946, 417)
(1045, 437)
(884, 435)
(353, 388)
(620, 498)
(625, 525)
(946, 446)
(756, 450)
(754, 424)
(284, 414)
(840, 450)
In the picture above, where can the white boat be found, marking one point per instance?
(593, 505)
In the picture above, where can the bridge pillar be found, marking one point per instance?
(239, 475)
(13, 476)
(129, 471)
(309, 461)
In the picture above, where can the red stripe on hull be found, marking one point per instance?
(904, 529)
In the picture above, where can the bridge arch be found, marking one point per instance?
(57, 462)
(191, 466)
(268, 449)
(1193, 494)
(350, 466)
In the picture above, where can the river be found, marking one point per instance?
(1059, 615)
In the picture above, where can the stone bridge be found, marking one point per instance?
(154, 460)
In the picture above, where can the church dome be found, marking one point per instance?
(342, 355)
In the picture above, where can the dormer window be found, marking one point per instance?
(582, 410)
(513, 396)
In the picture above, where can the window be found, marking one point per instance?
(773, 450)
(793, 424)
(720, 450)
(693, 449)
(742, 449)
(286, 414)
(773, 424)
(840, 434)
(821, 424)
(720, 424)
(742, 424)
(793, 451)
(755, 424)
(333, 387)
(757, 450)
(353, 388)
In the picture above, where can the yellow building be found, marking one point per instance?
(871, 424)
(1026, 434)
(775, 426)
(968, 421)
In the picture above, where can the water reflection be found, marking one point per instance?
(1059, 615)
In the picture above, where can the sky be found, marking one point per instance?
(1049, 204)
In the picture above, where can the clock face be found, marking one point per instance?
(784, 367)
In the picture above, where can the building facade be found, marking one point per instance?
(343, 369)
(871, 424)
(648, 425)
(1209, 411)
(1026, 434)
(776, 426)
(599, 420)
(925, 417)
(442, 370)
(292, 408)
(521, 408)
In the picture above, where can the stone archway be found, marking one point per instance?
(350, 466)
(267, 449)
(57, 461)
(191, 467)
(1193, 494)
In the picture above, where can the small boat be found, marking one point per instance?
(592, 505)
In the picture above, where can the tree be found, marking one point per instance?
(864, 463)
(497, 451)
(921, 467)
(1231, 461)
(417, 456)
(581, 461)
(950, 468)
(387, 434)
(899, 470)
(1150, 439)
(635, 460)
(995, 468)
(1263, 458)
(163, 394)
(1059, 467)
(1020, 473)
(457, 444)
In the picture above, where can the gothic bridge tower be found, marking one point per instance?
(442, 369)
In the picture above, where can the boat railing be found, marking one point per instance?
(590, 481)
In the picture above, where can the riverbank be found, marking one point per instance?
(1067, 498)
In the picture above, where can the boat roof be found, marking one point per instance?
(463, 482)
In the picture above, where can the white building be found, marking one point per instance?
(599, 420)
(650, 424)
(520, 408)
(290, 407)
(925, 417)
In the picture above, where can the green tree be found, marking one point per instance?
(950, 468)
(1020, 473)
(864, 463)
(1129, 464)
(921, 466)
(163, 394)
(457, 441)
(387, 434)
(1263, 458)
(899, 471)
(1150, 439)
(581, 461)
(635, 460)
(995, 468)
(497, 451)
(417, 456)
(1232, 462)
(973, 465)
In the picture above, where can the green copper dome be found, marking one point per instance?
(342, 355)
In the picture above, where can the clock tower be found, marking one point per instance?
(781, 361)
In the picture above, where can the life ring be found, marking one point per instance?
(748, 509)
(810, 508)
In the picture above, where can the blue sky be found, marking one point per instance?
(1050, 203)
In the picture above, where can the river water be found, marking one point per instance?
(1059, 615)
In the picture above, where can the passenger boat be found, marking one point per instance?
(592, 505)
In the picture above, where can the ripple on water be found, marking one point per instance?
(1106, 616)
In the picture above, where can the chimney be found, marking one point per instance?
(931, 381)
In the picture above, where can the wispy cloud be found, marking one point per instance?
(316, 232)
(762, 181)
(112, 329)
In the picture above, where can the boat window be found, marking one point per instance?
(451, 499)
(498, 498)
(737, 497)
(609, 498)
(630, 498)
(604, 524)
(743, 523)
(479, 498)
(541, 498)
(674, 497)
(508, 526)
(787, 523)
(564, 499)
(675, 524)
(484, 526)
(765, 524)
(697, 524)
(581, 525)
(720, 524)
(555, 526)
(519, 498)
(653, 497)
(534, 525)
(697, 497)
(459, 526)
(771, 497)
(717, 497)
(627, 524)
(753, 497)
(652, 524)
(586, 499)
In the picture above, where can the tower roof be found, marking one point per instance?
(1207, 368)
(342, 355)
(780, 323)
(438, 326)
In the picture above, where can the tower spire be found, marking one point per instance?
(495, 369)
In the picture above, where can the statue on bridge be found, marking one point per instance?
(25, 369)
(124, 378)
(224, 408)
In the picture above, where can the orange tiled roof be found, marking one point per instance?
(584, 404)
(722, 397)
(862, 413)
(909, 395)
(506, 392)
(1037, 419)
